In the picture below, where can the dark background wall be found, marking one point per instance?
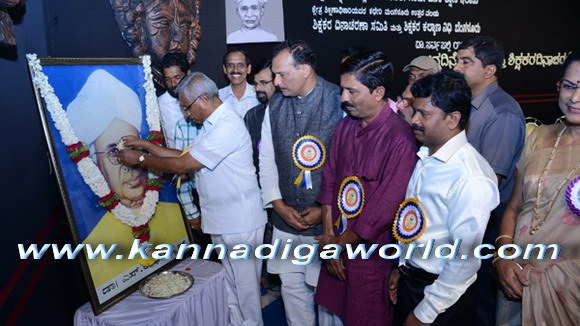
(47, 292)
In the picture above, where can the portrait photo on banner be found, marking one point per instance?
(254, 21)
(86, 106)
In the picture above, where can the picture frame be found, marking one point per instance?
(86, 105)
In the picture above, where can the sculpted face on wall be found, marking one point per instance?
(157, 27)
(7, 36)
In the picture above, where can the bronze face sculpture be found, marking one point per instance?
(157, 27)
(7, 36)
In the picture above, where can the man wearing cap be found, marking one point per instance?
(104, 110)
(418, 68)
(251, 31)
(221, 158)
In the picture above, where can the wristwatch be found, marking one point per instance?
(142, 159)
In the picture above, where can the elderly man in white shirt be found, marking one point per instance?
(449, 199)
(240, 95)
(230, 200)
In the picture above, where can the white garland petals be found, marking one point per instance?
(87, 168)
(134, 218)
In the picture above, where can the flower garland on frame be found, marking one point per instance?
(79, 153)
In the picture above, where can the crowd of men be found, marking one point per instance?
(338, 165)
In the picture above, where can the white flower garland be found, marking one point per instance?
(87, 168)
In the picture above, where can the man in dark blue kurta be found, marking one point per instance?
(372, 156)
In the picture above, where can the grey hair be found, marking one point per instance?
(196, 84)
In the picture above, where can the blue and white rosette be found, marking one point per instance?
(573, 196)
(308, 154)
(351, 200)
(410, 221)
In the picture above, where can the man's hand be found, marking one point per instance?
(134, 142)
(413, 321)
(336, 268)
(393, 285)
(289, 214)
(512, 278)
(311, 216)
(195, 223)
(129, 157)
(325, 239)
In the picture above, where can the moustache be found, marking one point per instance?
(347, 104)
(417, 127)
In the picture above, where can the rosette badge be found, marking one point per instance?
(410, 221)
(573, 196)
(308, 154)
(351, 199)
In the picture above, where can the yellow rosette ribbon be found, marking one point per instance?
(351, 200)
(410, 221)
(308, 154)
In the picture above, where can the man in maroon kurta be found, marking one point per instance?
(374, 150)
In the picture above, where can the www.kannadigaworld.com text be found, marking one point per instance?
(301, 254)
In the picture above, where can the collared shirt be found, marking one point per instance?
(185, 133)
(458, 190)
(170, 111)
(497, 130)
(227, 186)
(241, 106)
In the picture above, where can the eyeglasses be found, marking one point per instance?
(262, 83)
(565, 85)
(111, 154)
(185, 109)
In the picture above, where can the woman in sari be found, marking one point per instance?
(545, 209)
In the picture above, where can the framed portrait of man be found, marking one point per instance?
(126, 221)
(254, 21)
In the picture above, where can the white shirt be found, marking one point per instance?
(170, 111)
(268, 168)
(458, 190)
(241, 106)
(228, 190)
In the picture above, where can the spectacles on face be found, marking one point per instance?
(111, 154)
(567, 86)
(262, 83)
(185, 109)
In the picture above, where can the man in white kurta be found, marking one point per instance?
(230, 198)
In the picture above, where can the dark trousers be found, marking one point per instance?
(487, 284)
(412, 283)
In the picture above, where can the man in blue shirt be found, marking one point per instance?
(497, 130)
